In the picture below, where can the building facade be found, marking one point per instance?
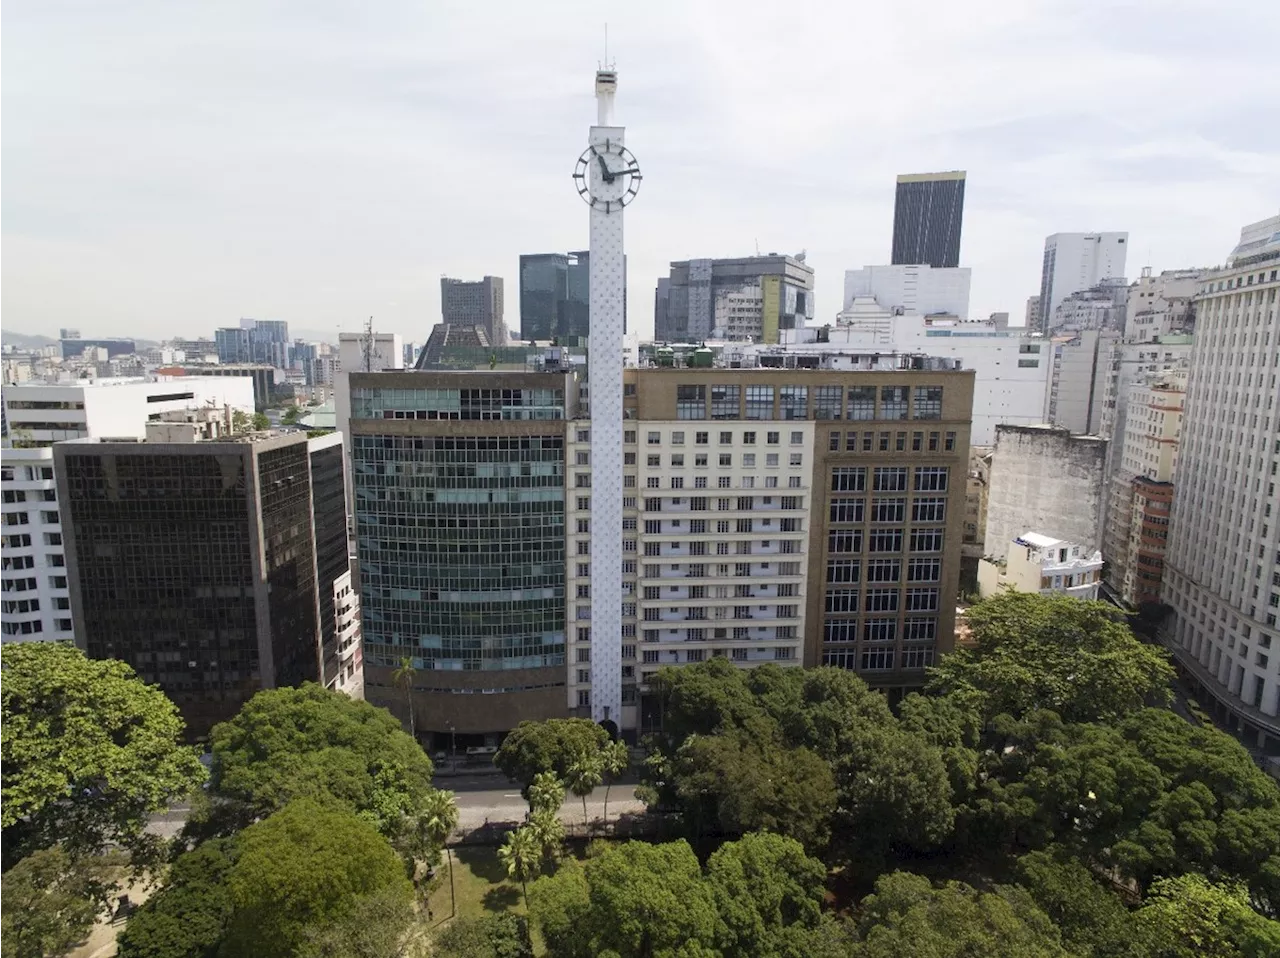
(477, 303)
(752, 297)
(1077, 261)
(1161, 306)
(555, 296)
(1103, 306)
(1045, 565)
(1043, 477)
(211, 567)
(1222, 569)
(1078, 379)
(916, 289)
(928, 211)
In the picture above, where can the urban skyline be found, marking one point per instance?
(322, 279)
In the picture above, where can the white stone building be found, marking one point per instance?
(1043, 564)
(1076, 261)
(1222, 574)
(911, 288)
(1161, 306)
(36, 603)
(1081, 367)
(1043, 477)
(1098, 307)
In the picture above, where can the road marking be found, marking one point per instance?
(516, 795)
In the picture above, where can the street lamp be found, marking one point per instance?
(453, 745)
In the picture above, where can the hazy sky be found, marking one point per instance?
(172, 166)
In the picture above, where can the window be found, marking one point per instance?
(833, 442)
(881, 600)
(929, 509)
(862, 402)
(772, 438)
(655, 439)
(926, 540)
(928, 402)
(629, 436)
(920, 629)
(797, 439)
(922, 600)
(582, 480)
(876, 660)
(884, 570)
(653, 482)
(842, 571)
(840, 630)
(846, 510)
(628, 458)
(793, 402)
(842, 600)
(725, 403)
(880, 630)
(917, 658)
(891, 479)
(924, 570)
(759, 402)
(726, 459)
(852, 479)
(771, 459)
(691, 403)
(582, 458)
(584, 526)
(949, 442)
(844, 542)
(797, 459)
(748, 460)
(893, 402)
(885, 509)
(826, 402)
(654, 461)
(700, 438)
(917, 441)
(700, 459)
(886, 540)
(677, 462)
(931, 478)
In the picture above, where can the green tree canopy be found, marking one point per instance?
(1093, 921)
(310, 742)
(89, 752)
(303, 869)
(1032, 652)
(548, 746)
(489, 936)
(1189, 917)
(50, 903)
(908, 916)
(189, 915)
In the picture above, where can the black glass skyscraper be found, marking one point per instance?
(926, 219)
(555, 296)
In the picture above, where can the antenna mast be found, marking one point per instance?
(366, 346)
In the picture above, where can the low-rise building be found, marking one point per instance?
(1043, 564)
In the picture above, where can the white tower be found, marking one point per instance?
(607, 178)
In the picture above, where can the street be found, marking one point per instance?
(486, 797)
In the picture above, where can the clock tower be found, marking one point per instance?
(607, 178)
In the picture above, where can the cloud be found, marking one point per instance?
(172, 167)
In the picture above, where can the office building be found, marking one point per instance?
(751, 298)
(1222, 568)
(1103, 306)
(1161, 306)
(555, 297)
(474, 304)
(1032, 317)
(1078, 378)
(1045, 565)
(661, 298)
(459, 500)
(445, 339)
(261, 377)
(1043, 477)
(232, 344)
(1077, 261)
(36, 602)
(215, 567)
(922, 290)
(927, 215)
(73, 346)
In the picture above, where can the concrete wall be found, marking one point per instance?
(1046, 479)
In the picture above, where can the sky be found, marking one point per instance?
(172, 167)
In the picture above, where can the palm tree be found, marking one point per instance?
(522, 856)
(615, 758)
(437, 818)
(546, 793)
(584, 773)
(549, 831)
(405, 674)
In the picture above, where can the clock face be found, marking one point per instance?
(607, 176)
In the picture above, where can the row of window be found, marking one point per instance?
(881, 630)
(732, 401)
(883, 570)
(700, 460)
(918, 599)
(879, 660)
(889, 478)
(883, 441)
(726, 437)
(887, 509)
(883, 540)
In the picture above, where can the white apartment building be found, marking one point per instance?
(36, 604)
(911, 289)
(1043, 564)
(1222, 574)
(1012, 368)
(1081, 367)
(1098, 307)
(1162, 305)
(725, 505)
(1077, 261)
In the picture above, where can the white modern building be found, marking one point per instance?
(358, 353)
(1043, 564)
(36, 603)
(911, 289)
(1222, 570)
(1012, 367)
(1080, 370)
(1077, 261)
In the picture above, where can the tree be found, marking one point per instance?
(291, 415)
(404, 676)
(1032, 652)
(908, 916)
(310, 742)
(1093, 921)
(615, 759)
(489, 936)
(374, 928)
(240, 420)
(260, 422)
(50, 903)
(635, 899)
(89, 753)
(548, 746)
(522, 856)
(189, 915)
(585, 772)
(1189, 917)
(305, 867)
(768, 896)
(546, 793)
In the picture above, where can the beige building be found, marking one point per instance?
(1043, 564)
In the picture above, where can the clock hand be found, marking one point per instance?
(604, 169)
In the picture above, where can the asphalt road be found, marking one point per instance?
(491, 798)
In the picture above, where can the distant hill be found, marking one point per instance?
(25, 341)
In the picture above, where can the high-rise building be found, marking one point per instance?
(1222, 567)
(927, 215)
(37, 604)
(1075, 262)
(1032, 319)
(1078, 380)
(477, 303)
(459, 500)
(215, 567)
(922, 290)
(750, 298)
(555, 296)
(232, 343)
